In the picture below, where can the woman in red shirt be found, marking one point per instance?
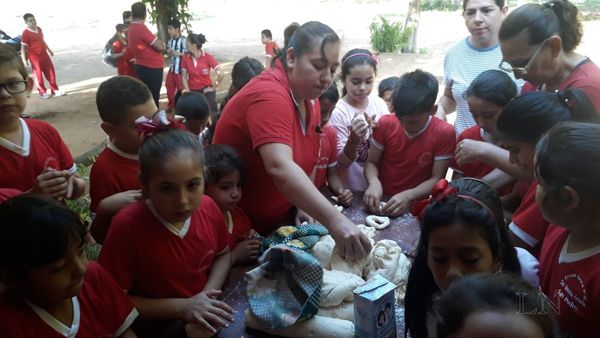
(124, 56)
(196, 69)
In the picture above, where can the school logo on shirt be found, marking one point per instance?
(205, 71)
(426, 158)
(572, 292)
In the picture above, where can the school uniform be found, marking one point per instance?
(326, 155)
(124, 64)
(407, 160)
(528, 223)
(42, 149)
(101, 309)
(271, 49)
(41, 63)
(198, 70)
(173, 81)
(238, 226)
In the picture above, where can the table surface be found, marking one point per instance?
(404, 230)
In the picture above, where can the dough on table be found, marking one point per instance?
(323, 249)
(316, 327)
(341, 264)
(387, 260)
(343, 311)
(378, 222)
(338, 286)
(367, 231)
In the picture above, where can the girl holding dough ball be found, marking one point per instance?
(462, 232)
(355, 114)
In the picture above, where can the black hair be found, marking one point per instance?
(490, 225)
(126, 15)
(569, 155)
(9, 56)
(120, 27)
(287, 34)
(489, 292)
(193, 106)
(36, 230)
(174, 23)
(210, 130)
(387, 84)
(493, 86)
(117, 95)
(27, 16)
(499, 3)
(556, 17)
(356, 57)
(221, 160)
(331, 93)
(527, 117)
(138, 10)
(415, 92)
(303, 39)
(159, 147)
(267, 33)
(197, 39)
(243, 71)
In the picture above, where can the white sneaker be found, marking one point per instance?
(45, 96)
(59, 93)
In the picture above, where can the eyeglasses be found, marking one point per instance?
(505, 66)
(14, 87)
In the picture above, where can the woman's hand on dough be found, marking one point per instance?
(345, 197)
(245, 252)
(468, 151)
(397, 205)
(206, 310)
(350, 242)
(302, 216)
(372, 196)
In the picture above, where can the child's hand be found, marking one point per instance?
(245, 252)
(372, 122)
(372, 197)
(359, 126)
(302, 216)
(52, 182)
(345, 197)
(397, 205)
(111, 204)
(207, 311)
(468, 151)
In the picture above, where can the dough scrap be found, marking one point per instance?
(343, 311)
(323, 249)
(318, 326)
(338, 286)
(339, 208)
(387, 260)
(378, 222)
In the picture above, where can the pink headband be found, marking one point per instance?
(372, 56)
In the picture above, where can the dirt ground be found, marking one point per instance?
(78, 40)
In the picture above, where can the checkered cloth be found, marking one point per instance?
(302, 237)
(285, 287)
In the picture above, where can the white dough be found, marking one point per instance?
(343, 311)
(316, 327)
(339, 208)
(341, 264)
(367, 231)
(323, 249)
(378, 222)
(338, 286)
(382, 205)
(335, 199)
(387, 260)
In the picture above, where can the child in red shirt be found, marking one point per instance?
(411, 149)
(35, 49)
(52, 290)
(33, 157)
(224, 186)
(124, 55)
(169, 251)
(271, 48)
(114, 181)
(566, 166)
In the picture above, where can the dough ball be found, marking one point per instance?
(338, 286)
(323, 249)
(343, 311)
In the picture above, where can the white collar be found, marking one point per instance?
(37, 29)
(56, 324)
(177, 232)
(20, 150)
(566, 257)
(118, 151)
(412, 136)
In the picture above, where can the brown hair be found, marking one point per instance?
(8, 55)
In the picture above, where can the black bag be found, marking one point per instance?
(107, 55)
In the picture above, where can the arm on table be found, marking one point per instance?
(335, 184)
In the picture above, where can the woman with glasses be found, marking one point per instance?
(470, 57)
(538, 45)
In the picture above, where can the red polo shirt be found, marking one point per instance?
(264, 112)
(140, 39)
(198, 70)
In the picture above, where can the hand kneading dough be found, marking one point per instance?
(343, 311)
(316, 327)
(338, 286)
(378, 222)
(341, 264)
(367, 231)
(323, 249)
(387, 260)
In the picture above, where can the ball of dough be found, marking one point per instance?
(341, 264)
(378, 222)
(343, 311)
(338, 286)
(387, 260)
(323, 249)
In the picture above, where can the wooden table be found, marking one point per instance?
(404, 230)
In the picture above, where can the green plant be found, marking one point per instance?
(387, 36)
(423, 50)
(440, 5)
(82, 205)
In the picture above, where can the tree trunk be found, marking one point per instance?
(165, 14)
(412, 24)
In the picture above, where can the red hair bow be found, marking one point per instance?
(159, 122)
(440, 191)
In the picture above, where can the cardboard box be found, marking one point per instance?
(374, 309)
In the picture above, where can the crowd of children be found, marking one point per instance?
(166, 192)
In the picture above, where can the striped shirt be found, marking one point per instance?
(462, 64)
(176, 44)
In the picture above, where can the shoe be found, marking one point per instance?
(45, 96)
(59, 93)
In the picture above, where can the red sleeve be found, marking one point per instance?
(146, 35)
(65, 159)
(117, 47)
(380, 133)
(117, 252)
(241, 225)
(453, 163)
(211, 61)
(184, 62)
(219, 226)
(101, 185)
(270, 119)
(26, 37)
(445, 142)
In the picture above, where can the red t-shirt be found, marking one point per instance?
(113, 172)
(42, 148)
(35, 41)
(408, 161)
(101, 309)
(140, 39)
(327, 155)
(572, 282)
(150, 260)
(585, 77)
(271, 48)
(6, 194)
(124, 65)
(239, 227)
(528, 223)
(198, 70)
(264, 112)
